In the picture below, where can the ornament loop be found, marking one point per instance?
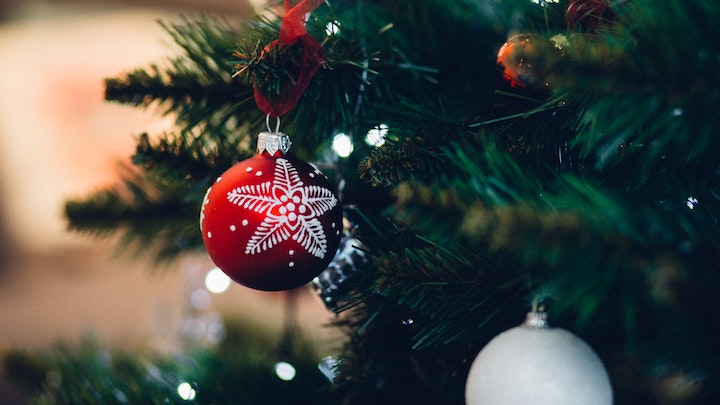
(277, 124)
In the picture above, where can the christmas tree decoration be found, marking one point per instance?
(591, 14)
(332, 284)
(309, 54)
(517, 58)
(271, 222)
(538, 365)
(590, 171)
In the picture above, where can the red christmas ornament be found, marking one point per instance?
(591, 14)
(271, 222)
(524, 59)
(515, 58)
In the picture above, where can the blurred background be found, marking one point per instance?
(60, 140)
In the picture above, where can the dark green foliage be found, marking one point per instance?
(153, 213)
(597, 195)
(239, 371)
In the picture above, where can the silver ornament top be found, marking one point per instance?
(536, 320)
(273, 142)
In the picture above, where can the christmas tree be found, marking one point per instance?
(499, 156)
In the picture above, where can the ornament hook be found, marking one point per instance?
(277, 124)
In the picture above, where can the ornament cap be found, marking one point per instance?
(536, 320)
(273, 142)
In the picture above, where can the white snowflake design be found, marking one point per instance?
(291, 208)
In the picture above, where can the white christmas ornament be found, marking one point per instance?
(538, 365)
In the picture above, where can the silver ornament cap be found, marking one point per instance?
(272, 142)
(536, 320)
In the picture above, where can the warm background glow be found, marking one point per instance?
(59, 140)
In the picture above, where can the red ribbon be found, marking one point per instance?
(293, 32)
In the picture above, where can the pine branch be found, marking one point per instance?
(570, 238)
(197, 86)
(88, 373)
(150, 213)
(442, 289)
(411, 154)
(642, 84)
(187, 157)
(157, 205)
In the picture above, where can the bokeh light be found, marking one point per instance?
(342, 145)
(376, 135)
(285, 371)
(186, 391)
(216, 281)
(332, 28)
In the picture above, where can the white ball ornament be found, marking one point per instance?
(535, 364)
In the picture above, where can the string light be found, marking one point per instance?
(216, 281)
(543, 3)
(186, 391)
(376, 135)
(342, 145)
(200, 299)
(285, 371)
(332, 28)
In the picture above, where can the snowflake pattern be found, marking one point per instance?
(291, 210)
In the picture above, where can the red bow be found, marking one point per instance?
(293, 32)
